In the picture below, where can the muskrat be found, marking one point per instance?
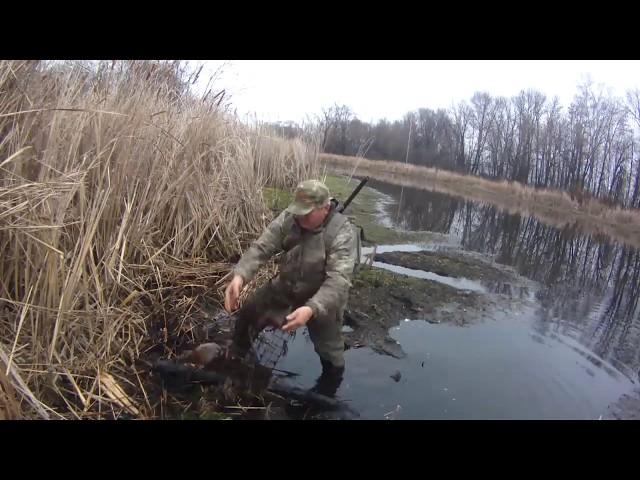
(203, 354)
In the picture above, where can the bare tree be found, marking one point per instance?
(633, 109)
(461, 119)
(335, 119)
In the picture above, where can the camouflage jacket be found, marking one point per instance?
(312, 273)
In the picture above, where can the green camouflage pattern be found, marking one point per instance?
(310, 273)
(308, 195)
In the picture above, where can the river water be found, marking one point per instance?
(570, 354)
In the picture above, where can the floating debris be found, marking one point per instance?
(393, 414)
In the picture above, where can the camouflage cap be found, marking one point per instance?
(309, 194)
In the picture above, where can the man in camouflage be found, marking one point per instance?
(319, 252)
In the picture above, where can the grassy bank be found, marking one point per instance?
(363, 209)
(366, 213)
(552, 207)
(123, 200)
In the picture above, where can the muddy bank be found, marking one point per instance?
(380, 300)
(450, 264)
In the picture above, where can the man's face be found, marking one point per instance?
(313, 219)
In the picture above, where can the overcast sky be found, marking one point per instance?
(281, 90)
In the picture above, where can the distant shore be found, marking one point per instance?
(553, 207)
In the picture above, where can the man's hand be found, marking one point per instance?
(298, 318)
(232, 293)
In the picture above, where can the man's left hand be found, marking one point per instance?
(298, 318)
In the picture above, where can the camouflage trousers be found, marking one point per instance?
(275, 299)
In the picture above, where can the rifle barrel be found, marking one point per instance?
(353, 194)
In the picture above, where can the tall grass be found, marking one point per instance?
(122, 198)
(554, 207)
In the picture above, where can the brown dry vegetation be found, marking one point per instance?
(556, 208)
(122, 201)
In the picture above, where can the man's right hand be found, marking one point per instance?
(232, 293)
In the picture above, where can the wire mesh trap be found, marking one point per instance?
(270, 345)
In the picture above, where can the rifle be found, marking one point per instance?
(353, 195)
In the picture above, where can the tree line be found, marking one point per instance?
(589, 148)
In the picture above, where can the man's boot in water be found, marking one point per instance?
(329, 380)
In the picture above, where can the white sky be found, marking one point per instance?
(281, 90)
